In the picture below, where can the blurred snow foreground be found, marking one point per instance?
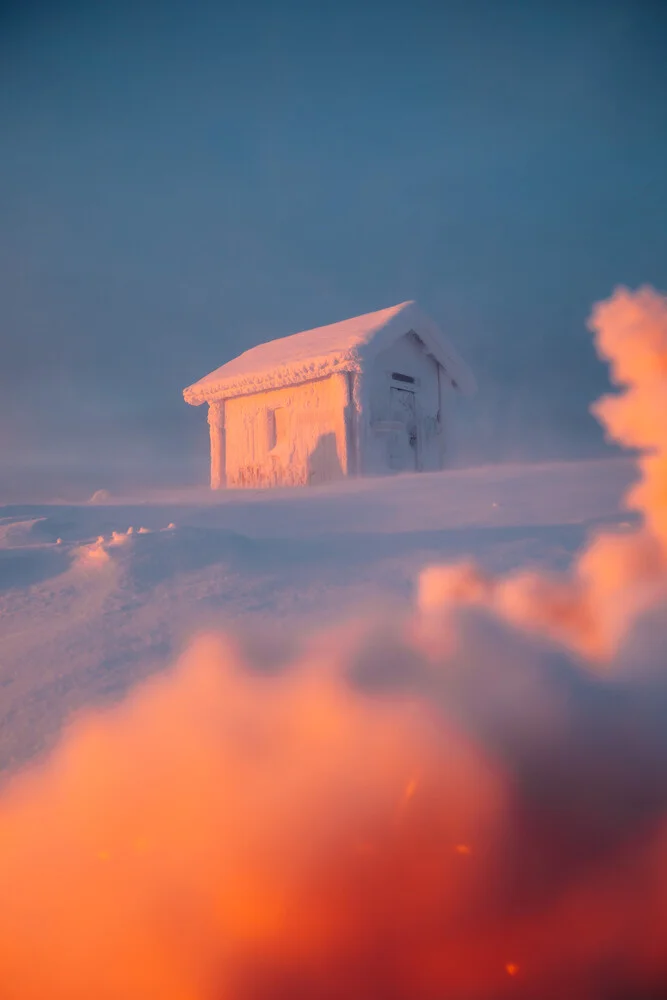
(368, 395)
(465, 799)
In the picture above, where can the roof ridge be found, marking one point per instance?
(316, 352)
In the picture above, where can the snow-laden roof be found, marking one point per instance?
(345, 347)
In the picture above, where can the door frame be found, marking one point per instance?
(404, 386)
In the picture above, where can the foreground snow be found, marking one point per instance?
(94, 596)
(462, 795)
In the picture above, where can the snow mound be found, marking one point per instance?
(18, 532)
(15, 533)
(147, 558)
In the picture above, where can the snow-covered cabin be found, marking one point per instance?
(367, 396)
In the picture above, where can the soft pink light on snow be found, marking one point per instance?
(460, 803)
(617, 576)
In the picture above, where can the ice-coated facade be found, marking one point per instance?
(368, 396)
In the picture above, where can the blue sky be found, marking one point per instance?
(180, 181)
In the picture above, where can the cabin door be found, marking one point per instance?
(403, 444)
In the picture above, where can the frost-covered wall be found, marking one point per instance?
(388, 418)
(297, 435)
(403, 417)
(368, 395)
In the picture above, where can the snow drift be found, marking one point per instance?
(469, 802)
(616, 576)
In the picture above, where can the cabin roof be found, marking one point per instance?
(347, 346)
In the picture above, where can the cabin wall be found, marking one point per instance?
(400, 411)
(292, 436)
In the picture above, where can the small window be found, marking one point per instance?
(271, 434)
(397, 377)
(276, 427)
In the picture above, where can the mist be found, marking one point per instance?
(180, 185)
(467, 798)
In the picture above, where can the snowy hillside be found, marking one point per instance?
(454, 786)
(94, 596)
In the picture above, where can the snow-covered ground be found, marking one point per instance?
(87, 609)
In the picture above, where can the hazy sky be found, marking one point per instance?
(181, 180)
